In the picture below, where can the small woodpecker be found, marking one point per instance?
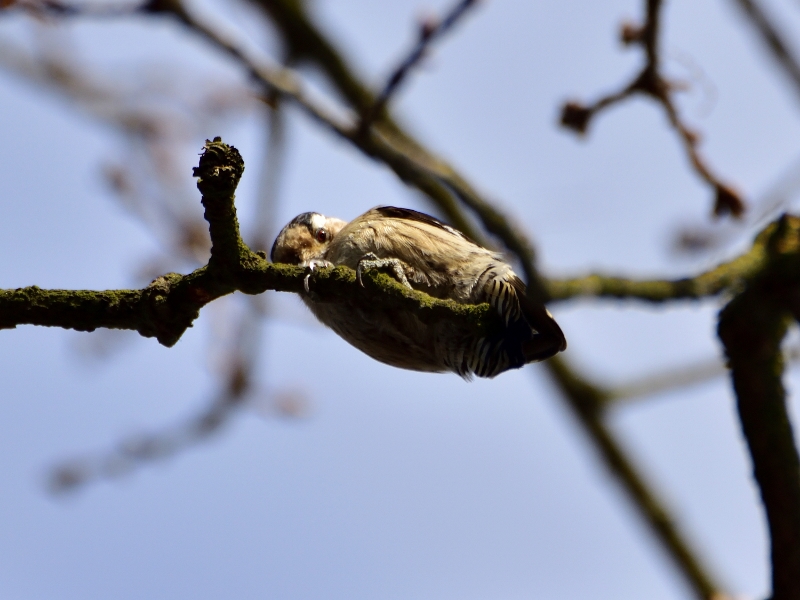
(427, 255)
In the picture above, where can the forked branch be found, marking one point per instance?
(651, 82)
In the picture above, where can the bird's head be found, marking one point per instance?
(306, 237)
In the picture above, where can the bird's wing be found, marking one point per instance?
(393, 212)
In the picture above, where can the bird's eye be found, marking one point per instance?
(322, 235)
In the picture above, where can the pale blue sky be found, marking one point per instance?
(397, 484)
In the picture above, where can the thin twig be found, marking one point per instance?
(138, 450)
(270, 178)
(774, 40)
(57, 9)
(650, 82)
(430, 30)
(675, 378)
(666, 381)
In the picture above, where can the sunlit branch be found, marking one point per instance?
(710, 283)
(169, 305)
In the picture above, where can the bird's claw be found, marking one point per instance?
(370, 261)
(313, 265)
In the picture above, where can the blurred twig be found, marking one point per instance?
(430, 29)
(651, 83)
(677, 377)
(263, 228)
(240, 358)
(56, 9)
(155, 122)
(137, 450)
(667, 380)
(587, 403)
(775, 41)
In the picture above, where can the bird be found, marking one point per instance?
(428, 255)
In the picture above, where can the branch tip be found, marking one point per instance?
(576, 116)
(220, 168)
(727, 201)
(631, 33)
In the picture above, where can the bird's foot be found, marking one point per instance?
(370, 261)
(313, 265)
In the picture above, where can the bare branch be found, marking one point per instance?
(57, 9)
(668, 380)
(430, 30)
(240, 360)
(433, 176)
(587, 403)
(650, 82)
(137, 450)
(674, 378)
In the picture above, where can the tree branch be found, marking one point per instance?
(587, 403)
(751, 328)
(650, 82)
(429, 31)
(415, 165)
(418, 166)
(710, 283)
(171, 303)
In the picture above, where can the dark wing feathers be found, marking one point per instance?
(550, 339)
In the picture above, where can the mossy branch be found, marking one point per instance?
(751, 328)
(170, 304)
(729, 275)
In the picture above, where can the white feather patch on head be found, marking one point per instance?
(317, 221)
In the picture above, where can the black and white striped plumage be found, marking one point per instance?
(438, 260)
